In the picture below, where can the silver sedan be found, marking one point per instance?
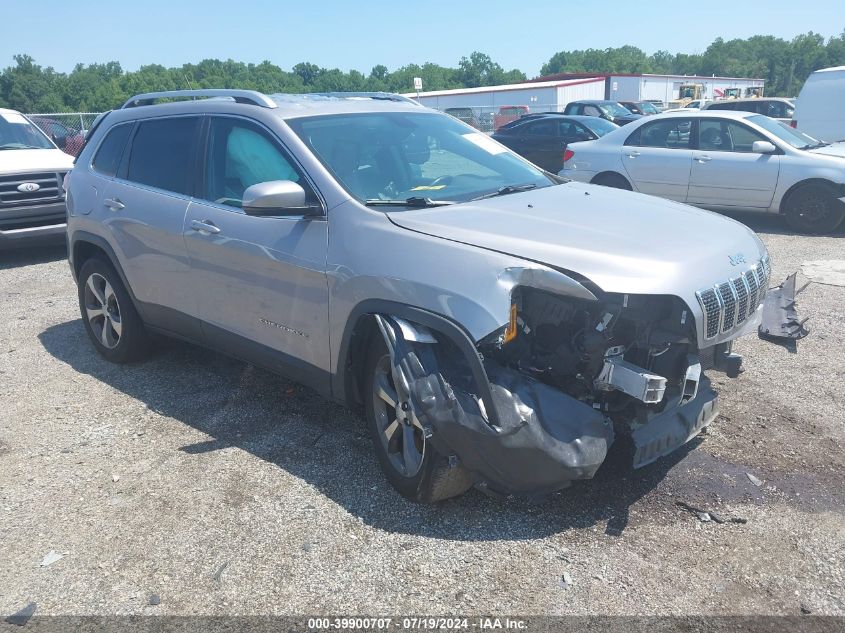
(721, 161)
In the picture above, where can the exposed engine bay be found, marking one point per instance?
(561, 383)
(629, 356)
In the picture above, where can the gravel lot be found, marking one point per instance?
(223, 489)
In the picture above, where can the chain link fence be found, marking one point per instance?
(66, 129)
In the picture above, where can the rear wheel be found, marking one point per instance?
(110, 318)
(407, 458)
(612, 179)
(814, 209)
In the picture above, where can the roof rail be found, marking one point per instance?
(380, 96)
(240, 96)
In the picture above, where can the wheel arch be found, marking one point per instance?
(839, 188)
(609, 173)
(361, 327)
(83, 246)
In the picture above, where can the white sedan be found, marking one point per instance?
(721, 160)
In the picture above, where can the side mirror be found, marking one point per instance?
(763, 147)
(277, 197)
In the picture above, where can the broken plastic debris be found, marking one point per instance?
(51, 558)
(115, 478)
(567, 579)
(754, 480)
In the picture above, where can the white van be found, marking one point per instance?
(32, 200)
(819, 110)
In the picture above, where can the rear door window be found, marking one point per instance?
(163, 152)
(546, 127)
(110, 151)
(673, 133)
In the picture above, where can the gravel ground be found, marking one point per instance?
(223, 489)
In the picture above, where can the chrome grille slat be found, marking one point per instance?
(741, 291)
(729, 304)
(50, 188)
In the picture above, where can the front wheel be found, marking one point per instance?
(814, 209)
(407, 458)
(110, 318)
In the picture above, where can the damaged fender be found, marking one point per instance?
(525, 437)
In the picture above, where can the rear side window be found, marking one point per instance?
(721, 106)
(671, 133)
(162, 154)
(108, 155)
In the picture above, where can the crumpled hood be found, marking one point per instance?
(834, 149)
(18, 161)
(622, 241)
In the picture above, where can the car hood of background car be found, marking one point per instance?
(20, 161)
(834, 149)
(622, 241)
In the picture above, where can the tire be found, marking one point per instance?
(814, 209)
(426, 478)
(109, 316)
(611, 179)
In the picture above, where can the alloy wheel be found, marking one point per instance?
(103, 311)
(401, 433)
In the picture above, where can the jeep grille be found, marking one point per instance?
(729, 304)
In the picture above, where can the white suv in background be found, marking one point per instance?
(32, 200)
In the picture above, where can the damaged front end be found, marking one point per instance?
(541, 400)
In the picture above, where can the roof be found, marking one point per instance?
(697, 114)
(831, 69)
(282, 105)
(529, 85)
(564, 76)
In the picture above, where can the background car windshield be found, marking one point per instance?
(783, 132)
(614, 109)
(649, 108)
(398, 155)
(601, 126)
(18, 133)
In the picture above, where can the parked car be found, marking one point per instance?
(657, 103)
(774, 107)
(543, 138)
(32, 201)
(722, 160)
(608, 110)
(498, 326)
(67, 139)
(467, 115)
(508, 113)
(818, 111)
(644, 108)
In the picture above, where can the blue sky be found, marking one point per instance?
(359, 34)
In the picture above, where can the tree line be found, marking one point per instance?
(29, 87)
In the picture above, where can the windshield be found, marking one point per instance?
(797, 139)
(402, 156)
(649, 108)
(614, 109)
(16, 132)
(600, 126)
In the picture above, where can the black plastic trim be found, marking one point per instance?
(440, 324)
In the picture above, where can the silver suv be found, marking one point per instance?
(498, 325)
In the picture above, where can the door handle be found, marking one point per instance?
(703, 159)
(632, 154)
(204, 226)
(114, 204)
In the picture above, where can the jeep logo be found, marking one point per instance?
(28, 187)
(737, 259)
